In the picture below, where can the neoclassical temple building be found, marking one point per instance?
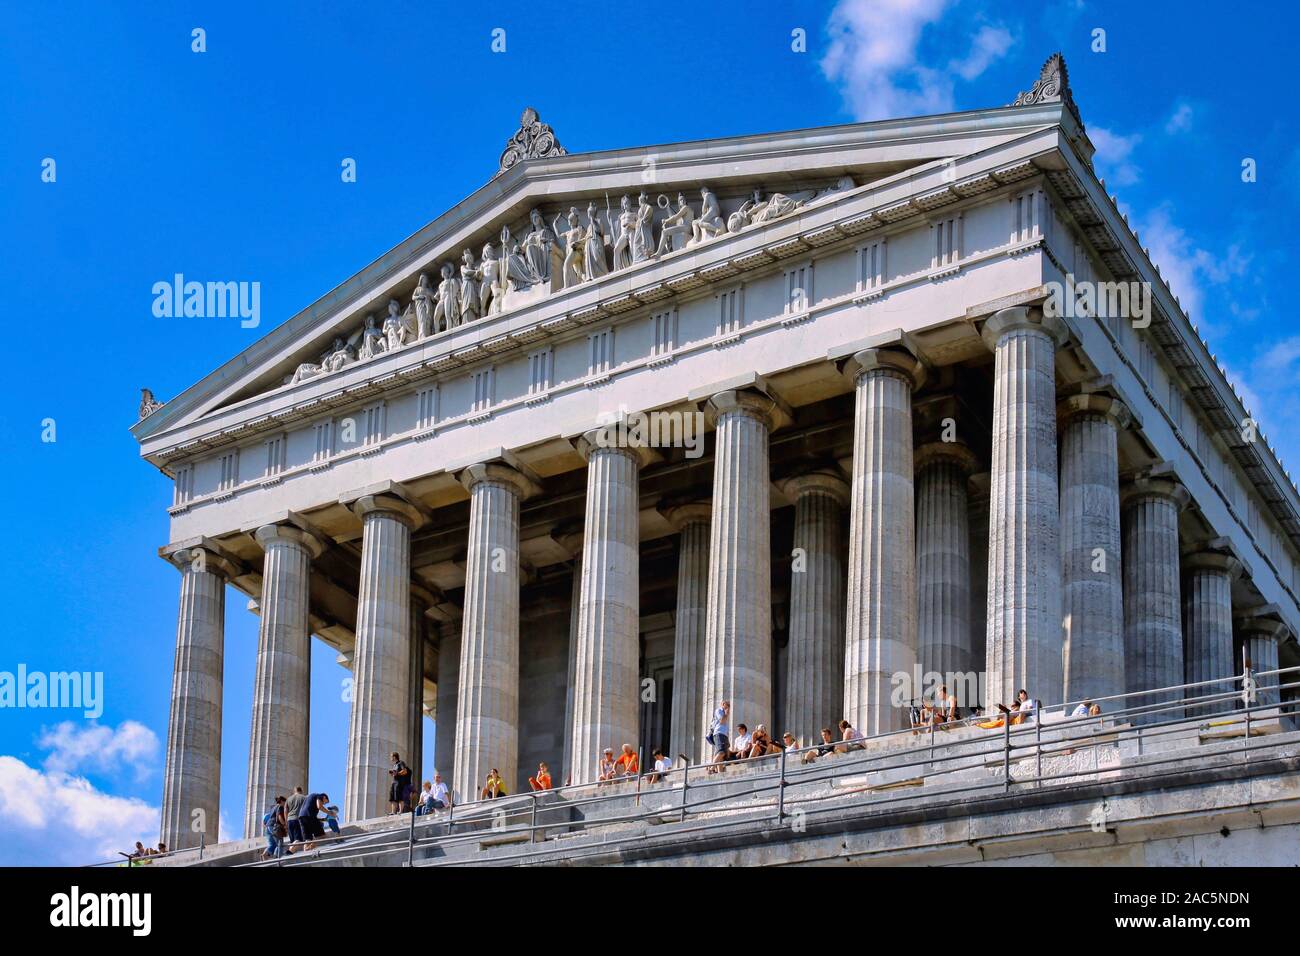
(786, 419)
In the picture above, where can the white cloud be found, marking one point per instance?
(873, 57)
(1187, 266)
(92, 746)
(1180, 120)
(1114, 156)
(55, 818)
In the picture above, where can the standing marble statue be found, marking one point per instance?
(710, 224)
(593, 247)
(571, 241)
(518, 270)
(622, 233)
(394, 327)
(446, 314)
(677, 226)
(643, 241)
(470, 308)
(423, 300)
(492, 282)
(537, 246)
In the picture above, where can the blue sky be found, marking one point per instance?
(225, 165)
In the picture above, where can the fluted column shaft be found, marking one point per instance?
(881, 615)
(1153, 630)
(815, 653)
(192, 779)
(575, 602)
(1092, 593)
(1207, 625)
(738, 638)
(605, 701)
(691, 625)
(487, 714)
(279, 740)
(943, 568)
(1260, 635)
(381, 661)
(1024, 610)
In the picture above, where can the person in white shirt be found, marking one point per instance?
(1028, 706)
(744, 740)
(441, 795)
(663, 764)
(1081, 710)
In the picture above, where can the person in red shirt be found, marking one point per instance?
(627, 764)
(543, 779)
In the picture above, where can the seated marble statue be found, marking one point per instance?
(372, 340)
(676, 227)
(757, 210)
(394, 327)
(710, 224)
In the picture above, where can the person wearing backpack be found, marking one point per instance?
(273, 825)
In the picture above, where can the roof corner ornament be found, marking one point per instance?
(148, 405)
(1053, 86)
(533, 140)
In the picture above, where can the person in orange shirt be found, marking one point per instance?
(627, 764)
(543, 779)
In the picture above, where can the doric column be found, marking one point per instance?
(881, 618)
(738, 638)
(815, 653)
(1262, 630)
(1153, 630)
(448, 690)
(278, 744)
(1024, 613)
(943, 570)
(692, 522)
(572, 543)
(606, 673)
(487, 706)
(1092, 593)
(192, 779)
(1208, 573)
(381, 661)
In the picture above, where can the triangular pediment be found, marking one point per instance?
(756, 183)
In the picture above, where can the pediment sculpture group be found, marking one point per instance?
(561, 255)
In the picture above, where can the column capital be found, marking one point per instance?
(894, 359)
(618, 438)
(569, 537)
(499, 473)
(201, 554)
(680, 514)
(1094, 405)
(389, 505)
(1264, 621)
(1022, 317)
(816, 482)
(268, 535)
(1216, 554)
(751, 402)
(1169, 488)
(945, 451)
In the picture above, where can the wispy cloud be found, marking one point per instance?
(92, 746)
(1187, 265)
(1114, 156)
(1180, 120)
(874, 57)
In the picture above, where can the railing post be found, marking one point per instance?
(780, 791)
(532, 827)
(451, 811)
(410, 843)
(1038, 747)
(686, 783)
(932, 739)
(1006, 753)
(201, 841)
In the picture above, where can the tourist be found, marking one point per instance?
(1028, 707)
(628, 763)
(740, 746)
(761, 744)
(718, 736)
(332, 819)
(606, 769)
(1082, 710)
(425, 804)
(292, 807)
(441, 794)
(848, 733)
(494, 786)
(945, 706)
(662, 766)
(824, 749)
(543, 779)
(273, 825)
(1094, 710)
(400, 774)
(791, 742)
(309, 818)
